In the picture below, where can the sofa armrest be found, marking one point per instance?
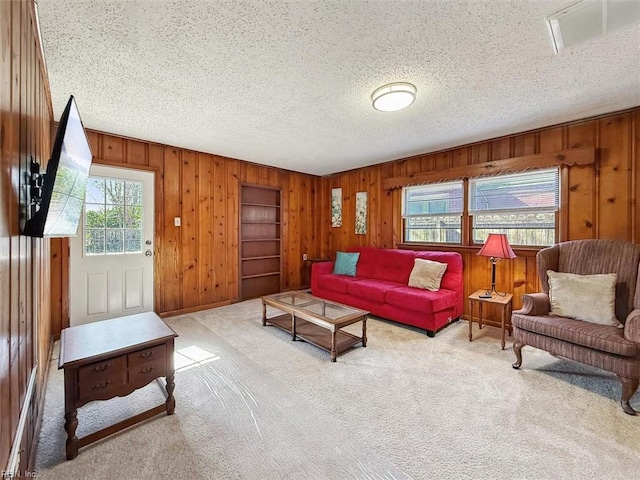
(632, 326)
(534, 304)
(318, 269)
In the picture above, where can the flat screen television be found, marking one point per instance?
(57, 207)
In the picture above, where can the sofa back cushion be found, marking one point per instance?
(366, 261)
(591, 257)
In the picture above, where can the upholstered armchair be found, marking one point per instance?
(614, 347)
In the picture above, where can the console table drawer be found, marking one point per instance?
(100, 370)
(147, 355)
(101, 387)
(142, 374)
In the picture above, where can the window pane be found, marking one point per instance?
(115, 217)
(95, 190)
(521, 228)
(432, 212)
(94, 242)
(433, 228)
(94, 216)
(529, 190)
(133, 193)
(114, 192)
(133, 241)
(439, 198)
(114, 241)
(133, 217)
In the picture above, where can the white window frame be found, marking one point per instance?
(453, 211)
(542, 208)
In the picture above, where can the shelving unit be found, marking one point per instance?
(260, 241)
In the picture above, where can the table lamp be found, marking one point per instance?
(496, 246)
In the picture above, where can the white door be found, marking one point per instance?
(111, 258)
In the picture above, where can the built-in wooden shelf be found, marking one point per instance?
(260, 246)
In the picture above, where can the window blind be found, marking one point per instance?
(536, 190)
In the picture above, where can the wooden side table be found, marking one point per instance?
(112, 358)
(503, 301)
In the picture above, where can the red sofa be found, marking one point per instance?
(380, 286)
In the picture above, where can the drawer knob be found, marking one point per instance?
(146, 354)
(101, 368)
(101, 385)
(146, 370)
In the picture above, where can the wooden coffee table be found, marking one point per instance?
(316, 321)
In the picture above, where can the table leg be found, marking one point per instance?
(471, 320)
(70, 425)
(171, 401)
(334, 352)
(504, 312)
(293, 327)
(264, 314)
(480, 316)
(364, 332)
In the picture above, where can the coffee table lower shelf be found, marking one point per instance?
(318, 336)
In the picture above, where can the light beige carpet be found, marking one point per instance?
(252, 404)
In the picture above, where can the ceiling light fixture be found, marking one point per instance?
(393, 97)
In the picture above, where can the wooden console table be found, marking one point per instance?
(112, 358)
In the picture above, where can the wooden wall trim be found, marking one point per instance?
(108, 163)
(572, 156)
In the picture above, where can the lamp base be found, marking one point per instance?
(492, 291)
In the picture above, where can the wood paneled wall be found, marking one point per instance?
(196, 264)
(601, 199)
(25, 337)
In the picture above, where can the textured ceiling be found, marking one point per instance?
(288, 83)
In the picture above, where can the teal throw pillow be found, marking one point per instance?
(346, 263)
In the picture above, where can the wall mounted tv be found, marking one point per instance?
(57, 197)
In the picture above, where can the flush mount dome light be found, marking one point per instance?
(394, 96)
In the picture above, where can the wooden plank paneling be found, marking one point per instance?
(615, 179)
(171, 242)
(205, 219)
(25, 123)
(190, 230)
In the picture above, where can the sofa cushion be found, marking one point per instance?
(374, 290)
(345, 263)
(427, 274)
(421, 300)
(336, 283)
(367, 260)
(394, 265)
(599, 337)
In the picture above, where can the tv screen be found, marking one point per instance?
(59, 209)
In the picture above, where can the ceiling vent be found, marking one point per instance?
(589, 19)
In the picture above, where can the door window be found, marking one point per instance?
(113, 219)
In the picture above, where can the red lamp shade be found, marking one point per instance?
(497, 246)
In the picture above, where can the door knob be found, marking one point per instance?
(148, 253)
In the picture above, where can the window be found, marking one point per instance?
(113, 217)
(433, 213)
(522, 205)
